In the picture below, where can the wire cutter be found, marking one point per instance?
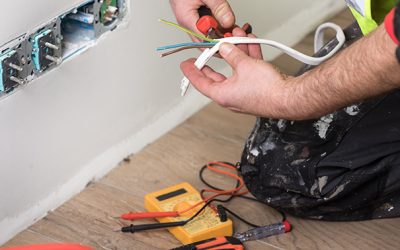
(209, 26)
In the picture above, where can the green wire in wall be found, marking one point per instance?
(108, 10)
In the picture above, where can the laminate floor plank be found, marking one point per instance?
(28, 237)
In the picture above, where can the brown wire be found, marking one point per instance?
(185, 48)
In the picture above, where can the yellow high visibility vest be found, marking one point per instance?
(370, 13)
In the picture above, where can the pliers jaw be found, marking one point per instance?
(209, 26)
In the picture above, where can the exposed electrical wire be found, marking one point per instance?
(185, 48)
(190, 32)
(179, 45)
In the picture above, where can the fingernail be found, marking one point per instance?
(225, 49)
(226, 19)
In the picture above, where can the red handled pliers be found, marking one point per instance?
(209, 26)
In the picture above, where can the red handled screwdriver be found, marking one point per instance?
(264, 231)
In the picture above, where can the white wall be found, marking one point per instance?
(77, 122)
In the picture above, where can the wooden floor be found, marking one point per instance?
(212, 134)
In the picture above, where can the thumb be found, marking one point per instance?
(222, 12)
(232, 55)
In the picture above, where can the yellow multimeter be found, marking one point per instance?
(179, 197)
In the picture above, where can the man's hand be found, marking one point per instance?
(186, 12)
(367, 68)
(254, 87)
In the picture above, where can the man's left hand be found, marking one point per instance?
(255, 87)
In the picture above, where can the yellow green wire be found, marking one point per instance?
(187, 31)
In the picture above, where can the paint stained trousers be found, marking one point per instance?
(343, 166)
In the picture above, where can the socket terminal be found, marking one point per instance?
(108, 11)
(10, 71)
(44, 50)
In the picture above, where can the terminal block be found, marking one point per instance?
(10, 71)
(45, 50)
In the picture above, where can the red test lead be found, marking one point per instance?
(151, 215)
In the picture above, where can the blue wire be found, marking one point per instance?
(173, 46)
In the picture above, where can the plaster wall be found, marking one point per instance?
(76, 123)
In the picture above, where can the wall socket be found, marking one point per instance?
(32, 54)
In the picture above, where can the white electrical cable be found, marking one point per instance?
(320, 35)
(318, 44)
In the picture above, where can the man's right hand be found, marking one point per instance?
(186, 12)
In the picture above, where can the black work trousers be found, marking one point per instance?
(343, 166)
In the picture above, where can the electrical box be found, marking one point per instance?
(9, 70)
(15, 67)
(36, 52)
(46, 46)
